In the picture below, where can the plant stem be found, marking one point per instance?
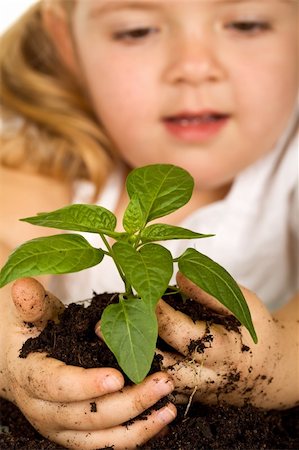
(111, 254)
(173, 289)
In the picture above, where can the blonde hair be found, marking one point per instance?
(60, 136)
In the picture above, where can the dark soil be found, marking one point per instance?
(220, 427)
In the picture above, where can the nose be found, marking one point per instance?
(193, 61)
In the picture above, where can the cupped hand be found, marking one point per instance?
(223, 365)
(72, 406)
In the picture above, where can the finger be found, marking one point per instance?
(105, 412)
(199, 382)
(98, 330)
(178, 398)
(50, 379)
(33, 303)
(187, 374)
(191, 290)
(121, 437)
(198, 340)
(176, 328)
(167, 360)
(196, 382)
(256, 306)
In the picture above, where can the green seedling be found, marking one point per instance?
(129, 327)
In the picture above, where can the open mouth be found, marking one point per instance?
(196, 127)
(187, 120)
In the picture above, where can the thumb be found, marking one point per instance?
(34, 304)
(191, 290)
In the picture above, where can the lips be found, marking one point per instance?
(195, 126)
(191, 119)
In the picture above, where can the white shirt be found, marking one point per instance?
(256, 228)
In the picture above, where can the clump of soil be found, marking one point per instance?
(221, 427)
(16, 433)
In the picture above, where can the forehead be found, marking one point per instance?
(110, 5)
(97, 9)
(113, 3)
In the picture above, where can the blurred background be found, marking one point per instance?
(10, 10)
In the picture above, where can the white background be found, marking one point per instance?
(10, 10)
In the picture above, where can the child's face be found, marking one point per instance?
(208, 85)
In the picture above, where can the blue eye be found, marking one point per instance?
(134, 34)
(248, 27)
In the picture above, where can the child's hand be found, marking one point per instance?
(231, 367)
(57, 399)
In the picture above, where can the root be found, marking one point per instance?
(190, 401)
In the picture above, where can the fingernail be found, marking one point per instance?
(98, 330)
(164, 387)
(166, 415)
(112, 383)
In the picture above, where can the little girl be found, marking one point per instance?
(92, 89)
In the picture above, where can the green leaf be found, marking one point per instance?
(214, 279)
(148, 270)
(90, 218)
(130, 330)
(164, 187)
(163, 232)
(134, 218)
(63, 253)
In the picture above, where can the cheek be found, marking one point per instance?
(266, 92)
(115, 76)
(119, 95)
(119, 103)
